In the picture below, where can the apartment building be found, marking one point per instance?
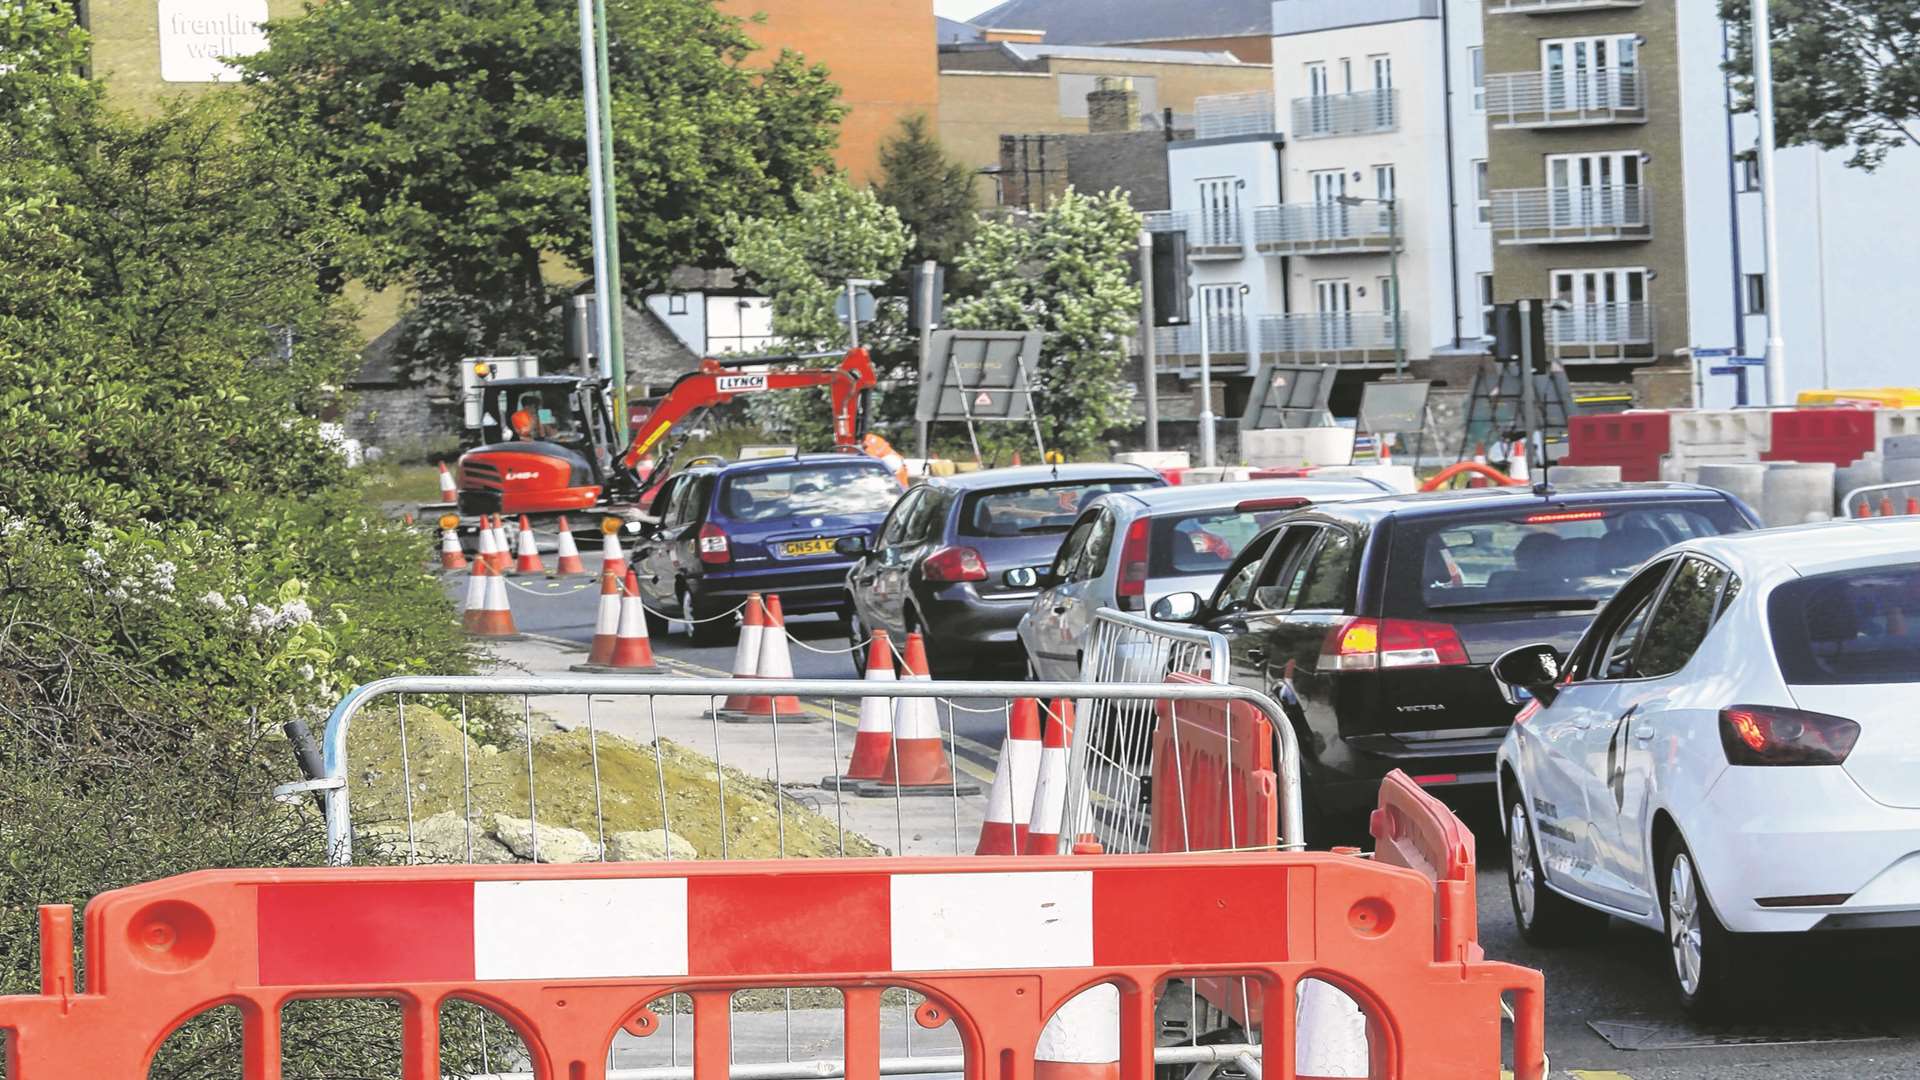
(1239, 27)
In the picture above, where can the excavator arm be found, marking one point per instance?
(718, 382)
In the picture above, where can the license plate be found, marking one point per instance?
(808, 547)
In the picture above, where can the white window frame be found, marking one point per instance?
(1754, 290)
(1482, 193)
(1390, 190)
(1483, 284)
(1477, 64)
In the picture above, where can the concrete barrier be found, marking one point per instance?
(1795, 492)
(1867, 471)
(1157, 459)
(1746, 482)
(1400, 478)
(1577, 475)
(1288, 447)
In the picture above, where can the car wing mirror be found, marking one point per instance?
(851, 545)
(1021, 577)
(1176, 608)
(1530, 671)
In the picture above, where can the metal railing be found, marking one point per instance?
(1569, 216)
(1362, 112)
(1225, 337)
(1330, 338)
(1325, 229)
(1532, 99)
(1225, 116)
(1599, 331)
(1892, 499)
(1209, 233)
(1555, 7)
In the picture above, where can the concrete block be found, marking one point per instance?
(1276, 448)
(1157, 459)
(1400, 478)
(1743, 481)
(1795, 492)
(1561, 476)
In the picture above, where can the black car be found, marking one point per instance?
(1373, 623)
(939, 563)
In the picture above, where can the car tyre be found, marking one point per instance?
(702, 628)
(1716, 971)
(857, 638)
(1542, 916)
(657, 625)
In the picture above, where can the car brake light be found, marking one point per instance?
(954, 564)
(1132, 587)
(1557, 516)
(1367, 644)
(713, 545)
(1284, 502)
(1766, 735)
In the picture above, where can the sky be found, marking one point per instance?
(961, 9)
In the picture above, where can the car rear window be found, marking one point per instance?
(1857, 626)
(821, 490)
(1042, 508)
(1551, 558)
(1204, 543)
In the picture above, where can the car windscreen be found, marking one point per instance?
(1203, 543)
(1041, 508)
(1549, 558)
(819, 490)
(1856, 626)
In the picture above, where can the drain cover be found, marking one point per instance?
(1655, 1035)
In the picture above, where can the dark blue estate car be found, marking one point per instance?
(765, 526)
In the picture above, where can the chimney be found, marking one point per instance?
(1113, 106)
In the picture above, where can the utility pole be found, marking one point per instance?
(1393, 274)
(1150, 381)
(928, 298)
(610, 198)
(1206, 388)
(1763, 105)
(611, 363)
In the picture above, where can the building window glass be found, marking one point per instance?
(1756, 294)
(1219, 212)
(1383, 183)
(1485, 282)
(1317, 79)
(677, 304)
(1477, 59)
(1750, 171)
(1382, 72)
(1482, 193)
(1389, 296)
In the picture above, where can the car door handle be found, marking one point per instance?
(1581, 723)
(1060, 610)
(1642, 734)
(1258, 656)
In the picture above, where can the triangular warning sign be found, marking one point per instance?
(985, 399)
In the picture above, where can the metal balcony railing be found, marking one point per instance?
(1361, 113)
(1224, 116)
(1226, 340)
(1537, 99)
(1329, 338)
(1572, 216)
(1555, 7)
(1210, 235)
(1325, 229)
(1602, 331)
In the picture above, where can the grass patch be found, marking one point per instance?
(414, 484)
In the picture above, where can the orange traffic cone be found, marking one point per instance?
(1866, 508)
(567, 561)
(1517, 467)
(606, 623)
(873, 743)
(746, 654)
(610, 553)
(632, 649)
(1010, 802)
(502, 550)
(1886, 506)
(528, 555)
(448, 492)
(1082, 1039)
(1913, 506)
(918, 759)
(1050, 795)
(483, 541)
(775, 662)
(452, 555)
(488, 614)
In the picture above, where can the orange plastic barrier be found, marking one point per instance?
(1413, 829)
(1214, 784)
(570, 955)
(1447, 476)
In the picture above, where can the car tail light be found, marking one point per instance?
(1767, 735)
(713, 545)
(1555, 517)
(1283, 502)
(1367, 644)
(1132, 587)
(954, 564)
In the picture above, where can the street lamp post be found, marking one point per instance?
(1770, 221)
(1393, 272)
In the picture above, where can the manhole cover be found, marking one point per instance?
(1649, 1035)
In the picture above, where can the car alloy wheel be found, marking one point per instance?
(1683, 923)
(1520, 874)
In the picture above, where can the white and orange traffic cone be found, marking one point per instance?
(1517, 467)
(775, 662)
(873, 743)
(630, 650)
(1082, 1039)
(483, 541)
(919, 758)
(502, 549)
(746, 654)
(527, 558)
(567, 559)
(606, 623)
(448, 491)
(1010, 802)
(1050, 794)
(488, 613)
(610, 553)
(452, 555)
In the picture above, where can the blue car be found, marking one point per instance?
(768, 526)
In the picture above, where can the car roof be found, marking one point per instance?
(1029, 475)
(1221, 496)
(785, 460)
(1817, 548)
(1472, 500)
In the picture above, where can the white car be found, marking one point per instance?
(1730, 752)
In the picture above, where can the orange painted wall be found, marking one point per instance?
(882, 53)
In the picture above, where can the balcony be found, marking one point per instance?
(1594, 215)
(1556, 7)
(1324, 229)
(1365, 112)
(1329, 339)
(1544, 99)
(1210, 235)
(1226, 345)
(1228, 116)
(1602, 332)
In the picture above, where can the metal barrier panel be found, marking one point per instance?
(1213, 766)
(1024, 938)
(1897, 499)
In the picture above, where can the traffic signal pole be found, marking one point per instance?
(603, 284)
(616, 341)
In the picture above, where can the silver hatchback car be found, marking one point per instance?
(1127, 550)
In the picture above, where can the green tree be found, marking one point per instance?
(932, 192)
(1844, 74)
(457, 133)
(1064, 272)
(802, 262)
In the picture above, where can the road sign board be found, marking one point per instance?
(1711, 354)
(1723, 369)
(862, 298)
(1749, 361)
(978, 375)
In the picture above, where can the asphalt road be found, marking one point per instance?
(1857, 987)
